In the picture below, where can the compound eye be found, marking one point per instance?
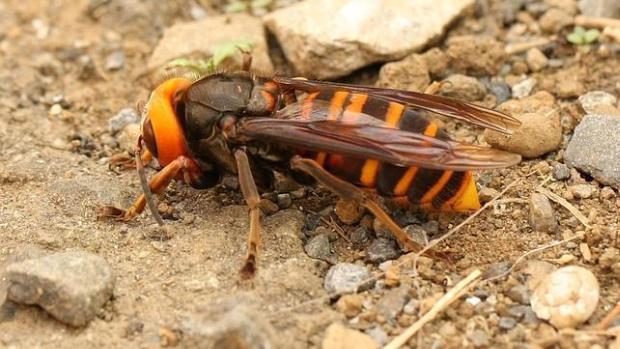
(148, 134)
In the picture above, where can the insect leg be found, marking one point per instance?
(252, 199)
(349, 191)
(157, 184)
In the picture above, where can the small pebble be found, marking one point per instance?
(268, 206)
(412, 307)
(542, 216)
(487, 194)
(519, 293)
(524, 88)
(524, 313)
(567, 297)
(507, 323)
(463, 87)
(350, 304)
(123, 118)
(349, 211)
(72, 297)
(285, 200)
(536, 60)
(596, 102)
(55, 110)
(382, 250)
(338, 336)
(360, 236)
(582, 191)
(501, 91)
(115, 60)
(392, 303)
(417, 234)
(345, 277)
(319, 247)
(479, 338)
(560, 172)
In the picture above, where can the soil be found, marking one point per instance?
(54, 177)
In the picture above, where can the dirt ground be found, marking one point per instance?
(54, 176)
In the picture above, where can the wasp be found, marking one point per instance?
(360, 142)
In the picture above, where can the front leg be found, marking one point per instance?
(252, 199)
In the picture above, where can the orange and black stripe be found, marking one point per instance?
(419, 186)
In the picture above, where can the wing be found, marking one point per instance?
(368, 138)
(464, 111)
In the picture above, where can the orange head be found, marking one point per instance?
(163, 132)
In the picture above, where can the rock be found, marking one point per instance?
(19, 254)
(228, 326)
(337, 336)
(417, 234)
(506, 323)
(349, 211)
(554, 20)
(353, 33)
(542, 215)
(284, 200)
(600, 8)
(268, 206)
(519, 293)
(350, 304)
(392, 302)
(569, 83)
(567, 297)
(346, 278)
(538, 135)
(535, 271)
(536, 60)
(598, 102)
(609, 257)
(360, 236)
(475, 55)
(128, 137)
(479, 338)
(463, 87)
(319, 247)
(501, 91)
(607, 193)
(115, 60)
(524, 313)
(594, 148)
(582, 191)
(560, 172)
(189, 39)
(124, 117)
(437, 61)
(382, 250)
(71, 286)
(523, 88)
(409, 74)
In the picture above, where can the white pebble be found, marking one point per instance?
(567, 297)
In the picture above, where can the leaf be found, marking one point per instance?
(579, 30)
(591, 36)
(575, 38)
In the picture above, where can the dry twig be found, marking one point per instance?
(517, 48)
(452, 295)
(597, 22)
(609, 318)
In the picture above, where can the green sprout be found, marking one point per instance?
(581, 37)
(221, 53)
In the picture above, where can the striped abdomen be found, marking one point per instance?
(445, 190)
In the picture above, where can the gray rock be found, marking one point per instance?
(353, 33)
(582, 191)
(594, 148)
(463, 87)
(346, 278)
(319, 247)
(417, 234)
(228, 327)
(123, 118)
(382, 250)
(500, 90)
(71, 286)
(507, 323)
(189, 39)
(392, 302)
(115, 60)
(285, 200)
(560, 172)
(19, 254)
(600, 8)
(524, 313)
(593, 101)
(542, 215)
(360, 236)
(519, 293)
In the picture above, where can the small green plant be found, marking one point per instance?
(580, 36)
(255, 6)
(221, 53)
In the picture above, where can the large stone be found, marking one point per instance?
(355, 33)
(200, 38)
(540, 132)
(600, 8)
(71, 286)
(594, 148)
